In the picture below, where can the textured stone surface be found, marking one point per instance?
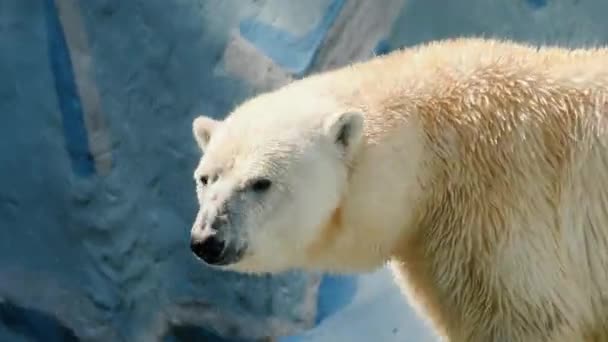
(564, 22)
(105, 252)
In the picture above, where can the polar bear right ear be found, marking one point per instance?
(202, 128)
(346, 130)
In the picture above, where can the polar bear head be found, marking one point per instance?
(270, 176)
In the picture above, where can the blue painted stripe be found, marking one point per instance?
(76, 138)
(536, 4)
(295, 54)
(382, 48)
(335, 292)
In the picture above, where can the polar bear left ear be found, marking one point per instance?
(202, 129)
(346, 130)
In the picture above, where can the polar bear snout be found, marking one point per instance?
(210, 249)
(215, 250)
(210, 243)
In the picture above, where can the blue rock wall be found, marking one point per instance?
(97, 99)
(97, 199)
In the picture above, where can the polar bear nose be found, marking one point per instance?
(209, 249)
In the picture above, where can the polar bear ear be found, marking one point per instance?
(346, 130)
(202, 128)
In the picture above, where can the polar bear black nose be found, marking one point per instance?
(210, 250)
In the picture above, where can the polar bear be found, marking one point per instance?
(476, 168)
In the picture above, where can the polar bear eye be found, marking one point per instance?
(261, 184)
(203, 180)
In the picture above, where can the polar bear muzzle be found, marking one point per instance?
(213, 247)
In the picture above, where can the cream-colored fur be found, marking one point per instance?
(481, 175)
